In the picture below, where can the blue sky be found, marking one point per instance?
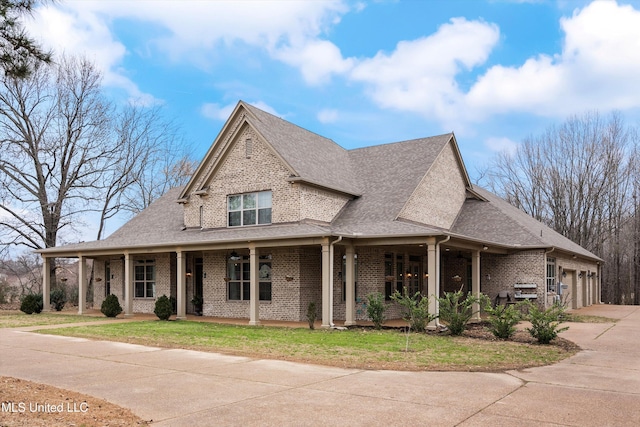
(363, 72)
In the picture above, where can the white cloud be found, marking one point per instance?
(501, 144)
(419, 75)
(317, 60)
(328, 116)
(598, 68)
(77, 32)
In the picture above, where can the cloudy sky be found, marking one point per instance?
(363, 72)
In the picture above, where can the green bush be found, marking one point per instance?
(456, 310)
(31, 303)
(111, 306)
(58, 298)
(376, 308)
(545, 324)
(312, 314)
(503, 319)
(415, 309)
(163, 308)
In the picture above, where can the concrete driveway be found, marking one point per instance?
(600, 386)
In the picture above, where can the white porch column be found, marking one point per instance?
(128, 286)
(254, 285)
(82, 284)
(350, 280)
(326, 286)
(475, 283)
(46, 284)
(181, 273)
(433, 285)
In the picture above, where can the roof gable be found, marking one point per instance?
(389, 174)
(311, 158)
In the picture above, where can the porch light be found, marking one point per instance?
(409, 274)
(234, 256)
(188, 273)
(288, 278)
(485, 247)
(456, 278)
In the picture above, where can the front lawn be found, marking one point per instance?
(17, 319)
(354, 348)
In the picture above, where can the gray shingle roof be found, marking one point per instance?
(389, 174)
(315, 159)
(383, 177)
(498, 222)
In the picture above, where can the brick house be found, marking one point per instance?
(276, 217)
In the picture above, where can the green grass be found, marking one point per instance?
(17, 319)
(354, 348)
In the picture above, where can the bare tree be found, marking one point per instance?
(578, 178)
(55, 145)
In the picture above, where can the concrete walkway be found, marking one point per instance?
(600, 386)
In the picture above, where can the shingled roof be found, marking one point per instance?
(495, 221)
(380, 180)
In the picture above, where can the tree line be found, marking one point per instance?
(582, 178)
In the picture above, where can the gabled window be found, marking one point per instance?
(249, 209)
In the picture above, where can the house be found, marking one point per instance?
(276, 217)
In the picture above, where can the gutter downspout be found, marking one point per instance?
(331, 324)
(546, 289)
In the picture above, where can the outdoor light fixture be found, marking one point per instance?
(188, 273)
(234, 256)
(485, 247)
(580, 275)
(288, 278)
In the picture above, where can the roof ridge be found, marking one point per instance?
(386, 144)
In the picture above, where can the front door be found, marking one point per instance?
(198, 279)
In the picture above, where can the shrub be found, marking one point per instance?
(111, 306)
(311, 314)
(31, 303)
(502, 319)
(58, 298)
(163, 308)
(545, 324)
(457, 311)
(415, 309)
(376, 308)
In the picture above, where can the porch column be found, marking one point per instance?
(254, 285)
(128, 286)
(475, 283)
(433, 286)
(181, 298)
(46, 284)
(82, 284)
(326, 286)
(350, 296)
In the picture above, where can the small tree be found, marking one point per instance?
(456, 310)
(163, 308)
(58, 298)
(111, 306)
(415, 311)
(311, 314)
(376, 308)
(502, 319)
(31, 303)
(545, 324)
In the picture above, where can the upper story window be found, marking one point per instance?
(249, 209)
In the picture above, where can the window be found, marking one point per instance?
(551, 274)
(388, 276)
(344, 276)
(249, 209)
(239, 275)
(145, 279)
